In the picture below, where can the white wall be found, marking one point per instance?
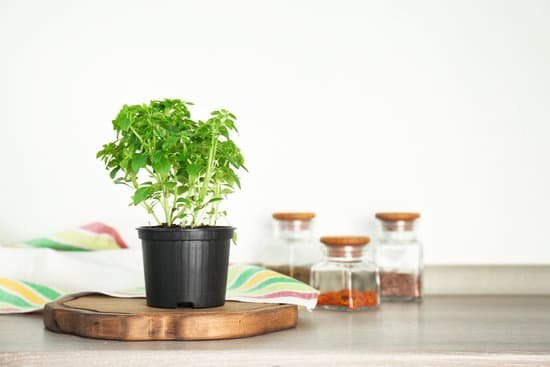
(345, 107)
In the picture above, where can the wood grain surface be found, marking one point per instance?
(102, 317)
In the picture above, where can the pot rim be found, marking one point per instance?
(184, 229)
(214, 233)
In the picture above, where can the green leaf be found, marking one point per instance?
(139, 161)
(213, 200)
(193, 170)
(123, 121)
(170, 185)
(113, 172)
(161, 165)
(142, 194)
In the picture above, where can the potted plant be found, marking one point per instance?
(179, 170)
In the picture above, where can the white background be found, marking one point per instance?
(345, 108)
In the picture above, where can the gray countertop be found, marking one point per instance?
(440, 331)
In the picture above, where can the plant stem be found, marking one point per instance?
(138, 136)
(165, 194)
(216, 207)
(208, 176)
(166, 207)
(173, 209)
(152, 212)
(145, 205)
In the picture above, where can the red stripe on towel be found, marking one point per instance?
(98, 227)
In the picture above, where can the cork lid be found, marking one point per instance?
(345, 240)
(397, 216)
(294, 215)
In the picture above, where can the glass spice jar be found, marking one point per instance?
(347, 281)
(399, 257)
(293, 250)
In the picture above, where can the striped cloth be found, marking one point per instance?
(245, 283)
(89, 237)
(18, 296)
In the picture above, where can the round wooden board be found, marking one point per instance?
(102, 317)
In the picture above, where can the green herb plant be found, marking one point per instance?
(180, 169)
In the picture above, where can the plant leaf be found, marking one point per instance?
(142, 194)
(161, 165)
(139, 161)
(113, 172)
(193, 170)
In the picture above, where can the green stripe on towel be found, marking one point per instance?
(47, 243)
(16, 301)
(43, 290)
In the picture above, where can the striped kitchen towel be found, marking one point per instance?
(30, 277)
(89, 237)
(248, 283)
(245, 284)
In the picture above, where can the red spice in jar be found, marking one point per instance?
(349, 298)
(394, 285)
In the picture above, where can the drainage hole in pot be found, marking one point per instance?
(186, 304)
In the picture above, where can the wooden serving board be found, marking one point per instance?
(103, 317)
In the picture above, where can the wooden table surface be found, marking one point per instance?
(441, 331)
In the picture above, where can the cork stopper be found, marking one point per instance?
(344, 248)
(305, 216)
(345, 240)
(397, 216)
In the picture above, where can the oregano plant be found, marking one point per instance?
(180, 169)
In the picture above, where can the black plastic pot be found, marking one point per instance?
(185, 266)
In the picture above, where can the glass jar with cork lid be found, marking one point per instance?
(294, 249)
(399, 257)
(347, 280)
